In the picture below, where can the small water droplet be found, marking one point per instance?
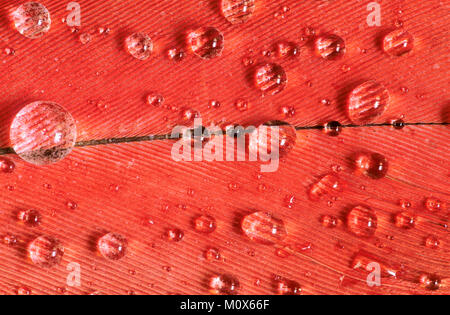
(373, 165)
(432, 242)
(237, 11)
(212, 254)
(85, 38)
(367, 102)
(330, 47)
(270, 78)
(10, 240)
(330, 184)
(362, 221)
(45, 251)
(71, 205)
(6, 165)
(263, 228)
(333, 128)
(288, 111)
(286, 49)
(139, 45)
(241, 105)
(190, 114)
(176, 54)
(433, 204)
(329, 221)
(43, 133)
(31, 19)
(430, 282)
(288, 287)
(174, 235)
(23, 291)
(264, 139)
(205, 42)
(214, 104)
(398, 43)
(205, 224)
(112, 246)
(10, 51)
(30, 218)
(405, 204)
(224, 285)
(398, 124)
(405, 220)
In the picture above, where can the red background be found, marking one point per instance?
(59, 68)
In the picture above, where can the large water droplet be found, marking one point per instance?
(430, 282)
(374, 165)
(362, 221)
(367, 102)
(112, 246)
(31, 19)
(263, 228)
(330, 47)
(224, 285)
(205, 42)
(237, 11)
(398, 43)
(405, 220)
(45, 251)
(139, 45)
(43, 133)
(270, 78)
(31, 218)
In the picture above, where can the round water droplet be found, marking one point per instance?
(405, 220)
(434, 205)
(333, 128)
(274, 139)
(31, 19)
(329, 221)
(330, 184)
(288, 111)
(112, 246)
(430, 282)
(398, 124)
(205, 224)
(10, 240)
(270, 78)
(85, 38)
(432, 242)
(23, 291)
(6, 165)
(31, 218)
(362, 221)
(205, 42)
(241, 105)
(176, 54)
(330, 47)
(45, 251)
(288, 287)
(175, 235)
(398, 43)
(139, 45)
(374, 165)
(263, 228)
(367, 102)
(287, 49)
(237, 11)
(224, 285)
(212, 254)
(43, 133)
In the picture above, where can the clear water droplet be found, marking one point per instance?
(30, 218)
(6, 165)
(405, 220)
(330, 184)
(224, 285)
(85, 38)
(10, 240)
(362, 221)
(433, 204)
(430, 282)
(398, 43)
(212, 254)
(155, 99)
(139, 45)
(45, 251)
(398, 124)
(373, 165)
(367, 102)
(286, 49)
(205, 42)
(174, 235)
(288, 111)
(241, 105)
(263, 228)
(205, 224)
(112, 246)
(333, 128)
(31, 19)
(23, 291)
(270, 78)
(43, 133)
(330, 47)
(273, 135)
(329, 221)
(432, 242)
(287, 287)
(237, 11)
(175, 54)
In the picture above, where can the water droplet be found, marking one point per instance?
(224, 285)
(43, 133)
(270, 78)
(71, 205)
(264, 139)
(190, 114)
(405, 220)
(364, 260)
(30, 218)
(288, 111)
(10, 240)
(373, 165)
(432, 242)
(333, 128)
(175, 235)
(330, 47)
(288, 287)
(205, 42)
(398, 43)
(367, 102)
(6, 165)
(31, 19)
(212, 254)
(45, 251)
(85, 38)
(287, 49)
(330, 184)
(112, 246)
(329, 221)
(398, 124)
(10, 51)
(405, 204)
(430, 282)
(263, 228)
(433, 205)
(241, 105)
(205, 224)
(175, 54)
(214, 104)
(237, 11)
(139, 45)
(362, 221)
(23, 291)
